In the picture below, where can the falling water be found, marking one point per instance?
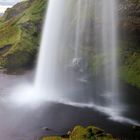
(47, 62)
(78, 34)
(81, 23)
(62, 40)
(109, 47)
(70, 26)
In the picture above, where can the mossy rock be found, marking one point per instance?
(82, 133)
(79, 132)
(52, 138)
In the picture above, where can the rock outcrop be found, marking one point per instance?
(81, 133)
(129, 44)
(20, 26)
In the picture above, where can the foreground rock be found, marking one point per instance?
(81, 133)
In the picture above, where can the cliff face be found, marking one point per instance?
(129, 44)
(130, 15)
(15, 10)
(20, 29)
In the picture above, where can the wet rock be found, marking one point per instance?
(136, 128)
(5, 48)
(69, 133)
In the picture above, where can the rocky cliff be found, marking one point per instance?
(20, 29)
(129, 44)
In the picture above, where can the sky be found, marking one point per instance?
(4, 4)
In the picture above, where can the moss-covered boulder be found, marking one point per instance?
(82, 133)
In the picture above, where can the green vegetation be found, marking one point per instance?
(130, 51)
(130, 68)
(20, 29)
(81, 133)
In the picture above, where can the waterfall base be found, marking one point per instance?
(32, 98)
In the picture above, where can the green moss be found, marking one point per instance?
(78, 132)
(22, 33)
(81, 133)
(34, 12)
(52, 138)
(130, 67)
(130, 72)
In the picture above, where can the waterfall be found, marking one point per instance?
(48, 55)
(62, 41)
(70, 27)
(81, 23)
(106, 44)
(109, 47)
